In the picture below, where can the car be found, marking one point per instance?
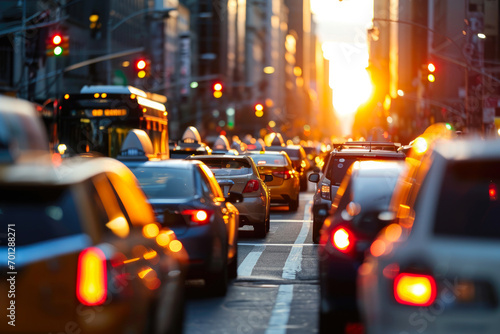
(241, 175)
(299, 161)
(364, 194)
(435, 268)
(22, 134)
(339, 161)
(85, 253)
(187, 199)
(285, 186)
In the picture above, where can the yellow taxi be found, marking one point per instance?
(285, 186)
(84, 253)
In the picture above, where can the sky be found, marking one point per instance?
(341, 26)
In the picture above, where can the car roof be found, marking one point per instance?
(218, 156)
(172, 163)
(71, 170)
(468, 149)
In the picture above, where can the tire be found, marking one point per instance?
(293, 205)
(260, 230)
(216, 283)
(268, 222)
(232, 270)
(316, 231)
(331, 323)
(303, 184)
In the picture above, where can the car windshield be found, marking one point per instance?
(37, 213)
(269, 160)
(165, 182)
(469, 204)
(228, 166)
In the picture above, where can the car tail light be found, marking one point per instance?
(285, 174)
(492, 191)
(198, 217)
(91, 284)
(252, 185)
(342, 239)
(414, 289)
(325, 191)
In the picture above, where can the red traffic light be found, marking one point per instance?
(140, 64)
(217, 86)
(259, 107)
(431, 67)
(56, 39)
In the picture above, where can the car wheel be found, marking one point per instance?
(316, 230)
(233, 266)
(216, 283)
(260, 230)
(293, 205)
(268, 222)
(331, 323)
(303, 184)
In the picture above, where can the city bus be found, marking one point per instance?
(97, 120)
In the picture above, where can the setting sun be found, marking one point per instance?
(351, 87)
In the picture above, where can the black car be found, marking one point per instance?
(358, 215)
(187, 198)
(340, 159)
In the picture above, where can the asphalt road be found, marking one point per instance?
(277, 289)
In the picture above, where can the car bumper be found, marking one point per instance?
(204, 250)
(252, 211)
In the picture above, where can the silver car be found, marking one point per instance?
(239, 174)
(436, 268)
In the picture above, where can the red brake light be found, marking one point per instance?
(415, 289)
(493, 192)
(198, 217)
(252, 185)
(342, 239)
(91, 284)
(285, 174)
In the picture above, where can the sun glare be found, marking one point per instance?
(351, 87)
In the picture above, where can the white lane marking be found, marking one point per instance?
(282, 306)
(281, 311)
(246, 266)
(290, 220)
(293, 263)
(279, 245)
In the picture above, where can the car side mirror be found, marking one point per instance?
(234, 197)
(268, 178)
(314, 177)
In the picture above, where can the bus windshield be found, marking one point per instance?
(99, 122)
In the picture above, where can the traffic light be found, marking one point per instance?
(259, 110)
(58, 45)
(217, 90)
(142, 66)
(430, 72)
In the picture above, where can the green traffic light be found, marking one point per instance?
(58, 51)
(448, 126)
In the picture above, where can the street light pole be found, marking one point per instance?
(111, 28)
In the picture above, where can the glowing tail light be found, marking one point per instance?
(492, 192)
(342, 239)
(91, 285)
(252, 185)
(198, 217)
(415, 289)
(325, 191)
(285, 174)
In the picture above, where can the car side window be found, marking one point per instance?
(205, 184)
(110, 209)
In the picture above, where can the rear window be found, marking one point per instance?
(165, 182)
(266, 160)
(337, 169)
(37, 213)
(468, 204)
(228, 166)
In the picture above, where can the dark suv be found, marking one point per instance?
(340, 159)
